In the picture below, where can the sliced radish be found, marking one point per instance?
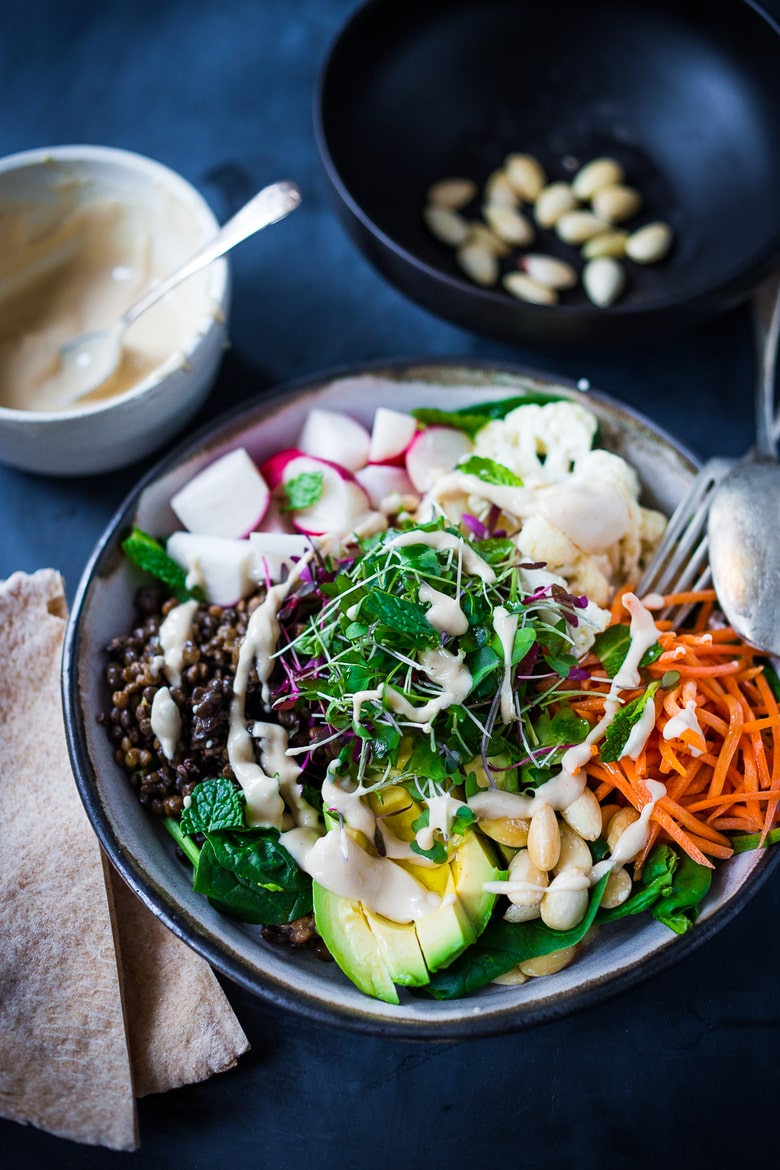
(273, 468)
(391, 434)
(381, 481)
(274, 551)
(340, 503)
(228, 498)
(276, 519)
(335, 437)
(434, 451)
(221, 566)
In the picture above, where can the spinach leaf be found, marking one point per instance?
(488, 471)
(679, 909)
(656, 882)
(214, 804)
(472, 419)
(503, 945)
(148, 554)
(250, 876)
(619, 730)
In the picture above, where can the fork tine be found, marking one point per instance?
(680, 563)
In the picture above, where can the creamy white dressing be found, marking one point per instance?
(76, 264)
(634, 838)
(644, 634)
(640, 732)
(166, 721)
(445, 614)
(275, 761)
(442, 810)
(339, 864)
(445, 669)
(594, 516)
(505, 625)
(174, 633)
(685, 720)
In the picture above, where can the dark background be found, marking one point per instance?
(681, 1071)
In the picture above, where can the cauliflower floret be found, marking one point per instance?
(580, 572)
(539, 443)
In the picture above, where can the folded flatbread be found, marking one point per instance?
(73, 1054)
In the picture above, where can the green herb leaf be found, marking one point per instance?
(619, 730)
(611, 647)
(148, 554)
(250, 876)
(489, 471)
(405, 617)
(656, 882)
(303, 490)
(214, 804)
(472, 419)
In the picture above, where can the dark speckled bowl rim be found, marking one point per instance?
(229, 964)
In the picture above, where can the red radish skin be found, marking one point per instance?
(433, 451)
(391, 434)
(335, 437)
(273, 468)
(341, 503)
(229, 497)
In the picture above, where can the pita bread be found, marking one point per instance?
(64, 1064)
(181, 1025)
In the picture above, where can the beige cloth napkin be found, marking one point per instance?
(99, 1002)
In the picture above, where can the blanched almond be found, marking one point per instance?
(575, 227)
(553, 202)
(549, 271)
(608, 243)
(616, 203)
(526, 289)
(479, 263)
(603, 280)
(526, 174)
(510, 226)
(500, 191)
(600, 172)
(447, 226)
(649, 243)
(452, 193)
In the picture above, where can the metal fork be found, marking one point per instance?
(681, 561)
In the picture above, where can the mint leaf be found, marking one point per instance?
(611, 647)
(148, 554)
(214, 804)
(404, 617)
(303, 490)
(489, 471)
(619, 730)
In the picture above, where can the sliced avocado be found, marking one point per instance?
(343, 928)
(400, 950)
(472, 865)
(444, 934)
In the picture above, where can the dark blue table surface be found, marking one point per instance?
(681, 1071)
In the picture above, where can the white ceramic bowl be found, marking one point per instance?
(162, 219)
(621, 954)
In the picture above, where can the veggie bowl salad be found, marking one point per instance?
(392, 694)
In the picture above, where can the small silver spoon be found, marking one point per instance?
(88, 360)
(744, 517)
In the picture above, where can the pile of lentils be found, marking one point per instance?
(203, 699)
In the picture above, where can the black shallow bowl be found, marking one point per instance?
(685, 93)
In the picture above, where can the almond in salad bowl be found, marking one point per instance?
(363, 705)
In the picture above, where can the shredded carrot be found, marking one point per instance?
(719, 762)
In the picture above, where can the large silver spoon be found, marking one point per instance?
(744, 518)
(88, 360)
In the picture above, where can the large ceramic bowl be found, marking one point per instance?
(686, 96)
(143, 853)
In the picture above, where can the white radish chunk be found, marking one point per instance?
(228, 498)
(335, 437)
(391, 434)
(383, 481)
(340, 502)
(220, 565)
(272, 552)
(433, 452)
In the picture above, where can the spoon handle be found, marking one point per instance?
(766, 313)
(270, 204)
